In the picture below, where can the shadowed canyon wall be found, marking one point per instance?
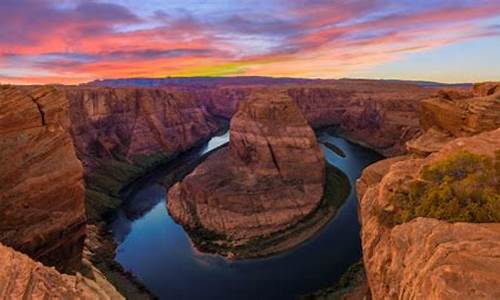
(42, 210)
(120, 134)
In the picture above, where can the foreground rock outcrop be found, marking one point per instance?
(270, 177)
(427, 258)
(456, 113)
(42, 211)
(23, 278)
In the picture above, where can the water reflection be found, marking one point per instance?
(160, 254)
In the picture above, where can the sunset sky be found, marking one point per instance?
(73, 41)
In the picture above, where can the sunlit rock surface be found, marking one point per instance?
(23, 278)
(427, 258)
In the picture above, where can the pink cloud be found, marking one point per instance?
(83, 40)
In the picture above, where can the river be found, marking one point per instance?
(159, 253)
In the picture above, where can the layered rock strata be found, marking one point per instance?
(126, 123)
(379, 114)
(463, 113)
(456, 113)
(23, 278)
(120, 134)
(42, 210)
(270, 177)
(427, 258)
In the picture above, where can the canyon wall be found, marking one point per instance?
(256, 186)
(381, 115)
(120, 134)
(426, 257)
(42, 210)
(126, 123)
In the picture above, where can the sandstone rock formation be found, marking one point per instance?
(111, 123)
(42, 209)
(463, 113)
(380, 114)
(456, 113)
(427, 258)
(120, 134)
(24, 278)
(270, 177)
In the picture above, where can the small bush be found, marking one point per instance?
(462, 188)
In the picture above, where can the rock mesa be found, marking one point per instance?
(268, 178)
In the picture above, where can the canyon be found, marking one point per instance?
(108, 137)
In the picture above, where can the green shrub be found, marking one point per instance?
(462, 188)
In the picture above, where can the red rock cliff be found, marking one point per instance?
(379, 114)
(426, 258)
(111, 123)
(24, 278)
(42, 209)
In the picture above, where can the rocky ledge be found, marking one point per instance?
(23, 278)
(426, 257)
(270, 177)
(425, 236)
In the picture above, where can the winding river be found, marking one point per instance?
(159, 253)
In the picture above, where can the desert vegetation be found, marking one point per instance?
(464, 187)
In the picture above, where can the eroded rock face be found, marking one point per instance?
(463, 113)
(42, 209)
(382, 115)
(427, 258)
(270, 177)
(128, 122)
(23, 278)
(121, 134)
